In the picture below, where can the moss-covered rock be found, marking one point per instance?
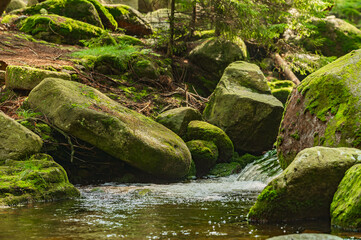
(127, 135)
(346, 205)
(16, 140)
(81, 10)
(225, 169)
(130, 20)
(281, 89)
(214, 55)
(305, 189)
(2, 76)
(204, 155)
(38, 178)
(333, 37)
(178, 119)
(14, 5)
(57, 29)
(199, 130)
(242, 105)
(324, 110)
(88, 11)
(26, 78)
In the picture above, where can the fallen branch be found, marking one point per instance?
(286, 70)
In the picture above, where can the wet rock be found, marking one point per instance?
(225, 169)
(242, 105)
(324, 110)
(26, 78)
(305, 189)
(199, 130)
(178, 119)
(38, 178)
(16, 140)
(57, 29)
(306, 236)
(89, 115)
(204, 154)
(345, 207)
(130, 20)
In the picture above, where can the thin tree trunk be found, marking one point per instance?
(286, 70)
(171, 29)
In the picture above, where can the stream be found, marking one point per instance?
(214, 208)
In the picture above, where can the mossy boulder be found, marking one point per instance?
(91, 116)
(14, 5)
(324, 110)
(37, 178)
(26, 78)
(214, 55)
(88, 11)
(225, 169)
(204, 154)
(346, 205)
(130, 20)
(178, 119)
(305, 189)
(199, 130)
(159, 19)
(242, 105)
(57, 29)
(16, 141)
(333, 37)
(281, 89)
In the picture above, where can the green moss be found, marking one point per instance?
(199, 130)
(225, 169)
(295, 136)
(58, 29)
(8, 19)
(37, 178)
(244, 160)
(204, 155)
(107, 18)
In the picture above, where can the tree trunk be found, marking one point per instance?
(171, 29)
(286, 70)
(3, 5)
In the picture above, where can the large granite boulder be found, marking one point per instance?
(199, 130)
(16, 141)
(242, 105)
(305, 189)
(333, 37)
(213, 56)
(88, 11)
(91, 116)
(37, 178)
(26, 78)
(177, 119)
(130, 20)
(324, 110)
(346, 205)
(57, 29)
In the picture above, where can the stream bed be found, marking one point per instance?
(199, 209)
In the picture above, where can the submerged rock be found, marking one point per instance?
(130, 20)
(38, 178)
(178, 119)
(213, 56)
(346, 205)
(57, 29)
(242, 105)
(199, 130)
(89, 115)
(204, 155)
(305, 189)
(26, 78)
(324, 110)
(16, 141)
(306, 236)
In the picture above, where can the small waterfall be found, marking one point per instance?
(263, 170)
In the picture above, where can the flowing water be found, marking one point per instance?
(199, 209)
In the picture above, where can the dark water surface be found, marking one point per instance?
(202, 209)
